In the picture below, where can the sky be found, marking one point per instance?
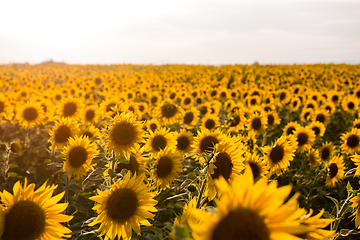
(211, 32)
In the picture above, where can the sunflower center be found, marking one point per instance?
(159, 143)
(333, 168)
(241, 223)
(316, 130)
(223, 166)
(210, 124)
(70, 109)
(153, 127)
(164, 167)
(290, 130)
(353, 141)
(282, 96)
(235, 121)
(77, 156)
(335, 98)
(2, 106)
(30, 114)
(312, 159)
(256, 123)
(320, 117)
(207, 144)
(90, 114)
(123, 134)
(277, 154)
(62, 134)
(203, 110)
(58, 97)
(357, 126)
(302, 138)
(141, 108)
(154, 100)
(26, 221)
(183, 143)
(122, 204)
(270, 119)
(351, 105)
(97, 81)
(168, 110)
(325, 153)
(253, 102)
(187, 101)
(255, 169)
(188, 118)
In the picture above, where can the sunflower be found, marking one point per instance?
(248, 210)
(89, 131)
(135, 163)
(318, 129)
(355, 204)
(257, 123)
(251, 141)
(259, 166)
(306, 114)
(313, 157)
(168, 112)
(64, 129)
(279, 155)
(70, 107)
(184, 141)
(123, 133)
(204, 108)
(155, 98)
(326, 151)
(133, 107)
(159, 140)
(295, 104)
(210, 122)
(122, 208)
(190, 118)
(32, 214)
(185, 217)
(152, 125)
(272, 119)
(305, 138)
(205, 141)
(107, 105)
(78, 155)
(166, 168)
(330, 107)
(351, 141)
(283, 96)
(142, 107)
(90, 114)
(336, 171)
(30, 114)
(291, 127)
(350, 104)
(226, 162)
(236, 121)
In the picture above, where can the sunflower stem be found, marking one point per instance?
(199, 202)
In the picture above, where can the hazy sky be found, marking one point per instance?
(186, 31)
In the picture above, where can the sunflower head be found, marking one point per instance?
(123, 133)
(351, 141)
(122, 208)
(305, 138)
(314, 157)
(30, 114)
(336, 171)
(32, 214)
(64, 129)
(159, 140)
(205, 141)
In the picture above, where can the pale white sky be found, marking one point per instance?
(186, 31)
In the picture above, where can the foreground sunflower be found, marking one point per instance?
(123, 133)
(122, 208)
(166, 168)
(32, 215)
(78, 155)
(248, 210)
(279, 155)
(355, 204)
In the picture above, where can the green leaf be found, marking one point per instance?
(349, 187)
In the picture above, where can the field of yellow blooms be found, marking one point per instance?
(179, 152)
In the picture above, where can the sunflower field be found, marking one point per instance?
(179, 152)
